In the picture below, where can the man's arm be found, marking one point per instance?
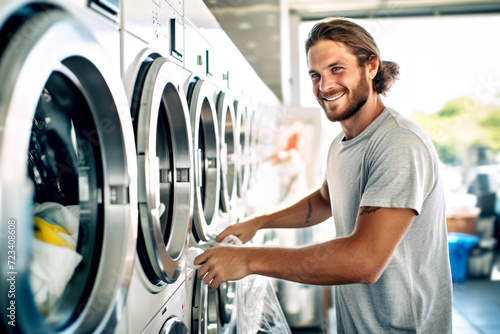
(311, 210)
(358, 258)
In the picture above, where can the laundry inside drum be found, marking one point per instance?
(62, 164)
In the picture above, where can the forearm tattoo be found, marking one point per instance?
(309, 212)
(367, 210)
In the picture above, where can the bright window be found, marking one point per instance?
(441, 58)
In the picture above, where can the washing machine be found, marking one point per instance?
(173, 315)
(252, 153)
(200, 92)
(215, 139)
(213, 311)
(229, 150)
(243, 116)
(152, 51)
(68, 190)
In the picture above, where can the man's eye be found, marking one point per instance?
(314, 75)
(335, 69)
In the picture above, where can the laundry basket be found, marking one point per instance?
(459, 246)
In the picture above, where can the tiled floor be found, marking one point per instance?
(476, 307)
(476, 304)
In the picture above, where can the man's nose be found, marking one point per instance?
(326, 84)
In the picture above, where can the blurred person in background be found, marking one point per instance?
(291, 168)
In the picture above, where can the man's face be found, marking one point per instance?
(339, 83)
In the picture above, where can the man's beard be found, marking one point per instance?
(358, 99)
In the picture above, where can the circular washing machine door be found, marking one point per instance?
(205, 309)
(227, 302)
(67, 178)
(253, 156)
(243, 130)
(174, 325)
(228, 149)
(205, 136)
(164, 156)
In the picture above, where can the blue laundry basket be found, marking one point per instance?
(459, 246)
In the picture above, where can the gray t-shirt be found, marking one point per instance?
(393, 164)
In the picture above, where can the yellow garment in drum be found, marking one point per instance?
(50, 233)
(54, 257)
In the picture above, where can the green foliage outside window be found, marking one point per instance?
(461, 123)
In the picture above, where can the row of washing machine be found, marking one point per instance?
(123, 142)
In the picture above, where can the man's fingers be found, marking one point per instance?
(200, 259)
(217, 265)
(202, 271)
(215, 283)
(209, 277)
(221, 236)
(224, 234)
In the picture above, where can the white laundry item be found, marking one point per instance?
(231, 240)
(50, 271)
(68, 217)
(194, 251)
(257, 303)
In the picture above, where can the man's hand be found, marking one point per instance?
(222, 264)
(245, 230)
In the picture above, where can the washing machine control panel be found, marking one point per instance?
(177, 38)
(157, 23)
(201, 58)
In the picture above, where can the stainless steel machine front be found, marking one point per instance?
(206, 155)
(228, 149)
(67, 171)
(163, 136)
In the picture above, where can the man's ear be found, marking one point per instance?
(372, 66)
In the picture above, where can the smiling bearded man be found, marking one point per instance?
(383, 188)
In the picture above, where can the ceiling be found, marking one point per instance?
(260, 29)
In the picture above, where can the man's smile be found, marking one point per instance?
(333, 98)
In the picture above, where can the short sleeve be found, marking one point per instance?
(398, 171)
